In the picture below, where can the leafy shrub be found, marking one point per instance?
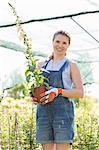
(86, 126)
(17, 125)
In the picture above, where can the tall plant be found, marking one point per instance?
(33, 75)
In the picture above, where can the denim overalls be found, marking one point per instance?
(55, 120)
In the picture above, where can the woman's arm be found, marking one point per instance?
(78, 91)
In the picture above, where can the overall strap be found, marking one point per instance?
(46, 63)
(66, 63)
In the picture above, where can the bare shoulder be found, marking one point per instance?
(74, 69)
(73, 65)
(76, 76)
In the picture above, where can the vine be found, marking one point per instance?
(33, 75)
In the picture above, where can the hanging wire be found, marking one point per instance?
(85, 30)
(52, 18)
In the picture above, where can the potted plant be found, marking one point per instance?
(35, 79)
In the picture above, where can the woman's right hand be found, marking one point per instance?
(47, 98)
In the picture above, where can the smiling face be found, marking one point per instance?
(60, 44)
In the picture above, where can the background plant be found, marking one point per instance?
(87, 125)
(17, 125)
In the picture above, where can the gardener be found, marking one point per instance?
(55, 113)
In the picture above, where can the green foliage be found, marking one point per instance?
(86, 126)
(33, 75)
(76, 101)
(18, 125)
(18, 91)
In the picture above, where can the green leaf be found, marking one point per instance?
(28, 78)
(32, 68)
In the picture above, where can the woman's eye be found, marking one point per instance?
(57, 41)
(64, 43)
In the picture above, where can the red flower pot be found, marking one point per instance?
(39, 90)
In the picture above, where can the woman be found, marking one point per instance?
(55, 113)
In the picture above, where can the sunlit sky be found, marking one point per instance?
(41, 32)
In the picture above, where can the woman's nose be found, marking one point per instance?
(60, 45)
